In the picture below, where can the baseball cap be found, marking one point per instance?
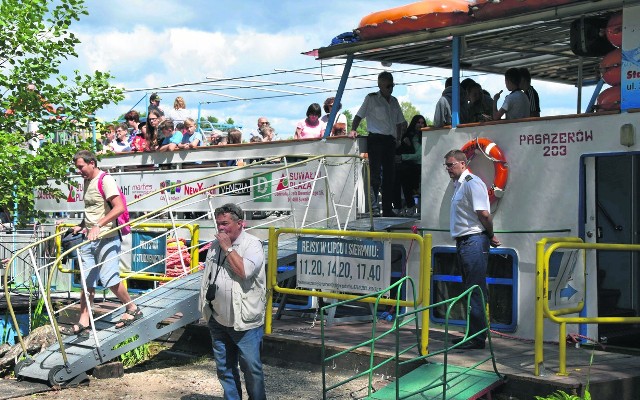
(154, 97)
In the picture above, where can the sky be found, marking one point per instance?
(153, 46)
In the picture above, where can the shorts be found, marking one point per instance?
(101, 262)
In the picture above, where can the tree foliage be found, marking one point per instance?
(35, 40)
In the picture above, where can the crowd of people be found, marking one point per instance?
(477, 105)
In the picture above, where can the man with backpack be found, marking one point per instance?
(103, 204)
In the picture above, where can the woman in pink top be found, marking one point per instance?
(311, 127)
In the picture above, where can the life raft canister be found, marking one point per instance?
(608, 99)
(611, 67)
(500, 167)
(614, 29)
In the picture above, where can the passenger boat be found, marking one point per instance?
(570, 176)
(572, 179)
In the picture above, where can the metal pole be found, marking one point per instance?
(336, 102)
(455, 71)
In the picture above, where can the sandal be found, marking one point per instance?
(82, 331)
(136, 314)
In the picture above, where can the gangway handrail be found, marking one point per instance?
(140, 221)
(400, 320)
(542, 309)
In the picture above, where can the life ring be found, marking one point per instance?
(500, 167)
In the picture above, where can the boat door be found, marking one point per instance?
(612, 215)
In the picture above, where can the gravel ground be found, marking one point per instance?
(196, 380)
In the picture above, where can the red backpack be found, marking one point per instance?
(122, 218)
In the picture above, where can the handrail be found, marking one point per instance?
(401, 320)
(142, 222)
(424, 243)
(542, 309)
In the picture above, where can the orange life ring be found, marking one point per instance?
(500, 167)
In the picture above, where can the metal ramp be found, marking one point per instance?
(425, 382)
(176, 297)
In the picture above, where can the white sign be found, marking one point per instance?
(345, 265)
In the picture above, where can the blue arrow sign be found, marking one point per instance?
(567, 292)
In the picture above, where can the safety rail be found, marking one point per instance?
(207, 193)
(434, 376)
(424, 246)
(542, 309)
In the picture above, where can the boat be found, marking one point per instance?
(566, 215)
(571, 178)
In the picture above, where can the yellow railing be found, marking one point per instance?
(542, 309)
(194, 231)
(424, 288)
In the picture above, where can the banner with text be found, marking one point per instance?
(346, 265)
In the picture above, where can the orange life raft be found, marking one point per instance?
(493, 152)
(414, 17)
(614, 29)
(488, 9)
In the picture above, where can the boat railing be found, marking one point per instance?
(334, 207)
(424, 270)
(544, 251)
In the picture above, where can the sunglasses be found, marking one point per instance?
(227, 210)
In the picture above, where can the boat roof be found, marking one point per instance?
(538, 40)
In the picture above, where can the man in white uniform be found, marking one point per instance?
(471, 226)
(386, 124)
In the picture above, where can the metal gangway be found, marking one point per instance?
(174, 303)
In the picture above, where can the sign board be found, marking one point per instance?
(256, 188)
(630, 86)
(345, 265)
(149, 248)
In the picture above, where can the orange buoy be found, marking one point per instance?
(609, 99)
(610, 67)
(500, 168)
(614, 29)
(414, 17)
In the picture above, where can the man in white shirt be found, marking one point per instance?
(471, 226)
(233, 301)
(386, 124)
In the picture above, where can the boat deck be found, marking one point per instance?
(607, 373)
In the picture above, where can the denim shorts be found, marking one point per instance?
(101, 262)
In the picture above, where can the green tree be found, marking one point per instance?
(409, 111)
(36, 40)
(212, 119)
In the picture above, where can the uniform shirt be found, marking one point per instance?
(239, 303)
(516, 105)
(95, 206)
(470, 195)
(382, 116)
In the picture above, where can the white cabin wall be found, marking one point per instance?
(542, 193)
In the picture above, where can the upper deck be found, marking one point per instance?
(538, 39)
